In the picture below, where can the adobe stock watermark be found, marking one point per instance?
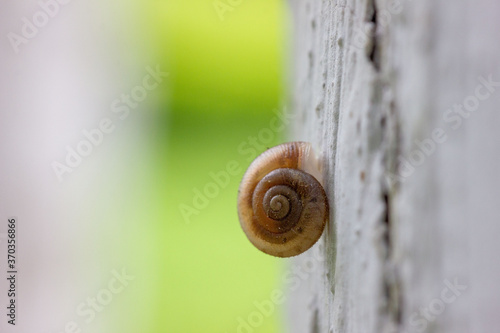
(251, 147)
(292, 280)
(89, 309)
(449, 294)
(453, 117)
(221, 7)
(48, 9)
(94, 137)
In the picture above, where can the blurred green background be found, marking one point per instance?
(226, 64)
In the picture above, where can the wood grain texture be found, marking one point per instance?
(402, 99)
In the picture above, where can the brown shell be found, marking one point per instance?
(282, 208)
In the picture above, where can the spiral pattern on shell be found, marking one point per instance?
(282, 208)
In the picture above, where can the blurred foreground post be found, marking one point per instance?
(403, 100)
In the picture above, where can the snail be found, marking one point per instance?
(282, 207)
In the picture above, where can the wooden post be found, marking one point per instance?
(402, 99)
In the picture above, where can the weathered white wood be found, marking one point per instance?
(412, 182)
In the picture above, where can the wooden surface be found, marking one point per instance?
(393, 95)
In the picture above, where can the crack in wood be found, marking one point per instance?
(374, 52)
(391, 281)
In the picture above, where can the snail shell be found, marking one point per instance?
(282, 207)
